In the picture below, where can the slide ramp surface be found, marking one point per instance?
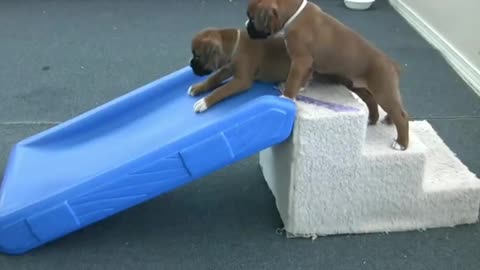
(127, 151)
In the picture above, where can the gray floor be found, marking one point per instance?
(61, 58)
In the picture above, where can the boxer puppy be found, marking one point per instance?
(231, 53)
(317, 41)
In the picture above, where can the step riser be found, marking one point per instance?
(326, 145)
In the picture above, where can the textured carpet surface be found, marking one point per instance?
(336, 175)
(61, 58)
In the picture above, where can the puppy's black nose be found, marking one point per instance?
(253, 33)
(198, 68)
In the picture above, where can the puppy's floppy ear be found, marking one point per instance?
(262, 19)
(274, 22)
(213, 51)
(267, 19)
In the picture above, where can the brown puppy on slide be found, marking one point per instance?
(318, 42)
(231, 53)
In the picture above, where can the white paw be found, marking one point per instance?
(397, 146)
(190, 91)
(292, 99)
(246, 23)
(302, 89)
(200, 106)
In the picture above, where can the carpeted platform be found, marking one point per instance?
(60, 58)
(338, 175)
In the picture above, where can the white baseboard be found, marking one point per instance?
(460, 64)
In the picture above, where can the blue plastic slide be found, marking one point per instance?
(127, 151)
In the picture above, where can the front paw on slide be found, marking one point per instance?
(191, 91)
(285, 97)
(195, 89)
(200, 106)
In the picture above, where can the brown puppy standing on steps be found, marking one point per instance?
(231, 53)
(318, 42)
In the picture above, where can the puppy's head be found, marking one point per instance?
(263, 18)
(207, 52)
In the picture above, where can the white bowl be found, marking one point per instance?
(358, 4)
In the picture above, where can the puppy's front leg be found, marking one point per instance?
(212, 82)
(231, 88)
(300, 69)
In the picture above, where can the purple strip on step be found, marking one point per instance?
(331, 106)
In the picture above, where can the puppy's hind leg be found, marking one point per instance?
(369, 100)
(386, 93)
(361, 92)
(400, 119)
(387, 120)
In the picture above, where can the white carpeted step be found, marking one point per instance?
(336, 175)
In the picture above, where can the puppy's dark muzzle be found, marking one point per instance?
(253, 33)
(198, 69)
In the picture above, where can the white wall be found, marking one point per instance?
(456, 21)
